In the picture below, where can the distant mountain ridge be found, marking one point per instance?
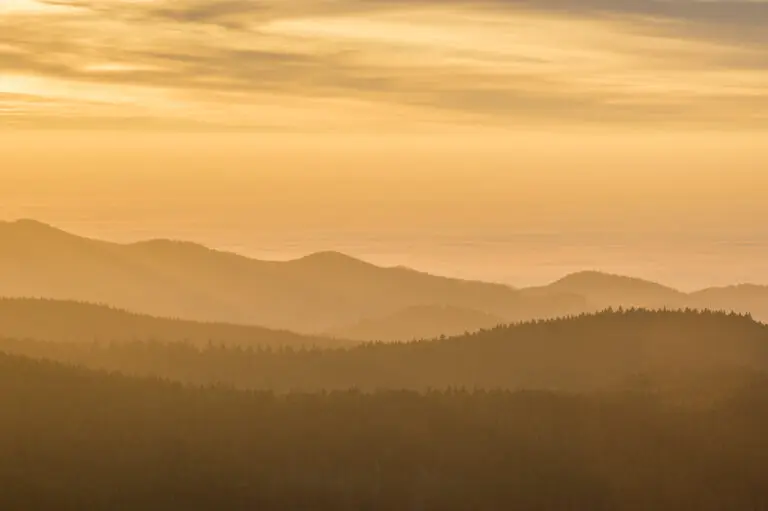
(188, 281)
(321, 292)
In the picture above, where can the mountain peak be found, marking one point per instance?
(592, 277)
(170, 244)
(27, 223)
(31, 227)
(589, 274)
(331, 257)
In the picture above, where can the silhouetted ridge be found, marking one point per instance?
(330, 258)
(30, 227)
(75, 322)
(320, 292)
(27, 223)
(601, 351)
(168, 244)
(584, 280)
(750, 289)
(603, 290)
(172, 279)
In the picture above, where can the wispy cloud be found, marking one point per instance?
(383, 64)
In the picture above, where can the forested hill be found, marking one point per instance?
(71, 440)
(419, 322)
(588, 352)
(75, 322)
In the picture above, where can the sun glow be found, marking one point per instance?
(31, 6)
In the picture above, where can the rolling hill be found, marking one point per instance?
(601, 351)
(73, 439)
(320, 293)
(603, 290)
(184, 280)
(74, 322)
(418, 322)
(744, 298)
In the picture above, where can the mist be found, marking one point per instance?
(426, 255)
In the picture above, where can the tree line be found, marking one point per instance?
(77, 439)
(584, 353)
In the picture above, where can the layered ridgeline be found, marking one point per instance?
(602, 290)
(71, 439)
(605, 351)
(325, 293)
(624, 410)
(61, 321)
(320, 292)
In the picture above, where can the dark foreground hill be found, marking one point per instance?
(74, 322)
(71, 439)
(605, 351)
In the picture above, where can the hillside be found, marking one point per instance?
(319, 293)
(418, 322)
(72, 439)
(74, 322)
(592, 352)
(603, 290)
(189, 281)
(743, 298)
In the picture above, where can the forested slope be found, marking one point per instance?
(71, 439)
(608, 350)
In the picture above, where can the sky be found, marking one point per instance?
(255, 123)
(383, 65)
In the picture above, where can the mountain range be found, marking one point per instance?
(326, 293)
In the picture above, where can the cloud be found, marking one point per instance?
(364, 64)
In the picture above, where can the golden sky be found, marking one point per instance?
(374, 116)
(362, 66)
